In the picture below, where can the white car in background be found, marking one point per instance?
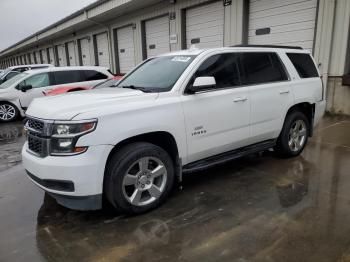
(12, 71)
(17, 93)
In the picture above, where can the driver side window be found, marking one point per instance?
(223, 67)
(36, 81)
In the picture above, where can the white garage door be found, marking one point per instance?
(205, 25)
(103, 50)
(52, 56)
(289, 22)
(61, 52)
(126, 49)
(71, 54)
(85, 52)
(157, 36)
(44, 56)
(37, 56)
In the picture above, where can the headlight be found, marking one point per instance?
(65, 136)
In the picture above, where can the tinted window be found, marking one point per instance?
(304, 65)
(65, 77)
(37, 81)
(259, 68)
(223, 68)
(91, 75)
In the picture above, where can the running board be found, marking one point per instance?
(228, 156)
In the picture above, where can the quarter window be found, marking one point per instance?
(259, 68)
(223, 68)
(91, 75)
(303, 64)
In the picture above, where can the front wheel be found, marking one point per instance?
(294, 134)
(8, 112)
(138, 178)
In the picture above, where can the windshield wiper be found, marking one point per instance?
(143, 89)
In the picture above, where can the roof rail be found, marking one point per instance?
(271, 46)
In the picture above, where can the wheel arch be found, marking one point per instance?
(308, 109)
(163, 139)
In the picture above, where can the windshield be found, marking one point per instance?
(157, 74)
(13, 80)
(107, 83)
(4, 72)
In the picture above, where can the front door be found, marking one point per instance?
(39, 84)
(217, 119)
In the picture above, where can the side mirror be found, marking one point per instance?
(202, 83)
(26, 88)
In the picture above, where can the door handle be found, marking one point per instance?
(240, 99)
(284, 92)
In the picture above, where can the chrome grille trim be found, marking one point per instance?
(38, 136)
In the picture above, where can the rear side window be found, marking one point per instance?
(303, 64)
(91, 75)
(65, 77)
(259, 68)
(223, 68)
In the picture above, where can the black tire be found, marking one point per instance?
(117, 168)
(9, 108)
(282, 147)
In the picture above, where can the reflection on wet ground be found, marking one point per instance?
(260, 208)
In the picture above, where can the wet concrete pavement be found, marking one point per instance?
(260, 208)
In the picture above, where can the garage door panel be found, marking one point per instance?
(302, 35)
(61, 55)
(285, 9)
(52, 56)
(126, 49)
(290, 22)
(302, 16)
(205, 23)
(261, 5)
(85, 52)
(157, 36)
(288, 28)
(71, 54)
(103, 50)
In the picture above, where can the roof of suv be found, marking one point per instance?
(67, 68)
(196, 51)
(32, 66)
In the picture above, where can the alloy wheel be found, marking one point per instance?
(145, 181)
(7, 112)
(297, 135)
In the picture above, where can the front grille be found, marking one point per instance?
(38, 137)
(36, 125)
(36, 144)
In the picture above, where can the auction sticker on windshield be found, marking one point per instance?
(183, 59)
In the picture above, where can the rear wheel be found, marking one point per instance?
(294, 134)
(138, 178)
(8, 112)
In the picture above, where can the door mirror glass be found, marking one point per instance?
(203, 83)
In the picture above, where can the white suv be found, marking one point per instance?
(17, 93)
(176, 113)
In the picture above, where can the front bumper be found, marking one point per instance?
(70, 178)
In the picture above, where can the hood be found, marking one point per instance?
(68, 106)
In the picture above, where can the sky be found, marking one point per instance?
(22, 18)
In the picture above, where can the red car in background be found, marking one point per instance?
(68, 89)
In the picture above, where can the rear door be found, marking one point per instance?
(270, 93)
(157, 36)
(217, 119)
(40, 83)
